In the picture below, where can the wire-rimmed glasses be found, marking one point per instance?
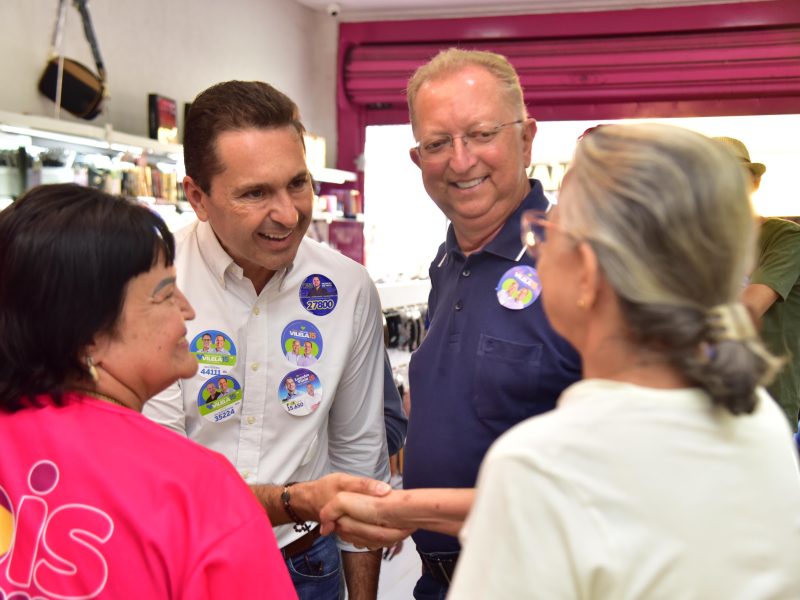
(533, 230)
(439, 147)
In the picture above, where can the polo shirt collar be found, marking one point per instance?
(507, 243)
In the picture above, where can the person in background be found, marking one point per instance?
(773, 291)
(482, 367)
(244, 264)
(96, 500)
(666, 470)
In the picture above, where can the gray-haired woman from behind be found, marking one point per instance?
(668, 472)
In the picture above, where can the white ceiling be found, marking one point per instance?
(366, 10)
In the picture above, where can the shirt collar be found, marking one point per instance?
(220, 262)
(507, 243)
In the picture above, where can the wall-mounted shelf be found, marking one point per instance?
(104, 139)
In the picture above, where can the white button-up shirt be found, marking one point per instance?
(256, 431)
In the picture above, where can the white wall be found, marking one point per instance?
(176, 48)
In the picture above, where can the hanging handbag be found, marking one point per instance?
(71, 85)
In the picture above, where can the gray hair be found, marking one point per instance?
(667, 212)
(452, 60)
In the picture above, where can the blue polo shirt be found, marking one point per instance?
(482, 367)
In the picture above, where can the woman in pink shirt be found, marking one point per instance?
(97, 501)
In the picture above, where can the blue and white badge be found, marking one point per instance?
(220, 398)
(318, 294)
(300, 392)
(214, 348)
(519, 287)
(301, 343)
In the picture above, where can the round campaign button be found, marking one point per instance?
(220, 398)
(301, 343)
(300, 392)
(318, 294)
(214, 348)
(519, 287)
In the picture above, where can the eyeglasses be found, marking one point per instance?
(533, 230)
(440, 147)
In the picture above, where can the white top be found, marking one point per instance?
(627, 492)
(255, 429)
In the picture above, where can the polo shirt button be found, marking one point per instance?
(256, 311)
(254, 366)
(459, 305)
(250, 420)
(466, 272)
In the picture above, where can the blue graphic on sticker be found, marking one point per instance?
(318, 294)
(301, 343)
(219, 398)
(519, 287)
(212, 347)
(300, 392)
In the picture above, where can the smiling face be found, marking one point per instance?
(309, 349)
(211, 388)
(476, 187)
(310, 389)
(206, 343)
(315, 282)
(296, 347)
(291, 386)
(148, 349)
(223, 385)
(259, 206)
(219, 342)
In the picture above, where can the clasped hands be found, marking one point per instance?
(358, 510)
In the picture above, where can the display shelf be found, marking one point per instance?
(90, 136)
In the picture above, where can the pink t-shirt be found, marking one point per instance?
(96, 501)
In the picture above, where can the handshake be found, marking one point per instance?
(369, 514)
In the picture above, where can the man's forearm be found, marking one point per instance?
(307, 498)
(361, 572)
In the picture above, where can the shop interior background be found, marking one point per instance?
(179, 47)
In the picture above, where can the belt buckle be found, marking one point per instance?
(437, 569)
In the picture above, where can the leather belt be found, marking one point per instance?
(301, 544)
(439, 567)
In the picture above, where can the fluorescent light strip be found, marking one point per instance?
(56, 137)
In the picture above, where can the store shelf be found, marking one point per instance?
(82, 134)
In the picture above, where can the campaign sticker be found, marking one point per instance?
(220, 398)
(301, 343)
(213, 348)
(300, 392)
(519, 287)
(318, 294)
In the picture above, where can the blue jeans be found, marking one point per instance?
(316, 573)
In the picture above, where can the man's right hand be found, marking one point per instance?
(309, 497)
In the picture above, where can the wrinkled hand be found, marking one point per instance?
(356, 518)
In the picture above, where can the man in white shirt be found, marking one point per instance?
(243, 266)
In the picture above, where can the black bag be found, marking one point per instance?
(82, 91)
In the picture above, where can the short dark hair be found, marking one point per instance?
(231, 106)
(67, 254)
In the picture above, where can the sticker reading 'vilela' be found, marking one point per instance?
(301, 343)
(212, 347)
(519, 287)
(318, 294)
(220, 398)
(300, 392)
